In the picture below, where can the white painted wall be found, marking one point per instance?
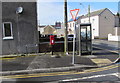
(71, 26)
(113, 37)
(117, 31)
(94, 23)
(41, 30)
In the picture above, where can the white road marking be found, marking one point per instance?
(89, 77)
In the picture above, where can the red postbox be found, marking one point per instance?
(52, 41)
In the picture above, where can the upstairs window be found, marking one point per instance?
(73, 24)
(70, 24)
(7, 30)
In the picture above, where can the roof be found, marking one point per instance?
(98, 12)
(43, 26)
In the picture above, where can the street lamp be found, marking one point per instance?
(19, 10)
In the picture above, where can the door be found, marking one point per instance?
(85, 38)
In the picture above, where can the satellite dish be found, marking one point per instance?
(19, 10)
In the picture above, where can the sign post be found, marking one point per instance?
(74, 14)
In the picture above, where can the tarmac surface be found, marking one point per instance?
(48, 63)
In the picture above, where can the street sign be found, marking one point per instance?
(74, 13)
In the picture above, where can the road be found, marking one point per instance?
(105, 45)
(108, 73)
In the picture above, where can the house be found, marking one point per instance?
(116, 35)
(102, 21)
(117, 25)
(47, 30)
(41, 29)
(18, 30)
(57, 29)
(71, 25)
(116, 31)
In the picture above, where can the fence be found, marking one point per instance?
(57, 47)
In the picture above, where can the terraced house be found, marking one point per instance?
(18, 27)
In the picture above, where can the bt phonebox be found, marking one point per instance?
(52, 41)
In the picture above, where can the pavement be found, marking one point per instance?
(112, 46)
(40, 63)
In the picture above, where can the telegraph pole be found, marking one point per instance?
(66, 28)
(89, 12)
(119, 12)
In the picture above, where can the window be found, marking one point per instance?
(7, 30)
(70, 24)
(73, 24)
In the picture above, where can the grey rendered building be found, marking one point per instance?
(18, 27)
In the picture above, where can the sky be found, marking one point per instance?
(52, 11)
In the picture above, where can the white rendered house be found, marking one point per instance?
(102, 21)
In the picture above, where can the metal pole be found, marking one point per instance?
(79, 40)
(66, 28)
(73, 58)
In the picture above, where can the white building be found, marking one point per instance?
(71, 25)
(102, 21)
(57, 29)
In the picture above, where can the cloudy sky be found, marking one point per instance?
(50, 11)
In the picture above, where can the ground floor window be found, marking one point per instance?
(7, 30)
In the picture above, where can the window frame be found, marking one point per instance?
(7, 37)
(70, 24)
